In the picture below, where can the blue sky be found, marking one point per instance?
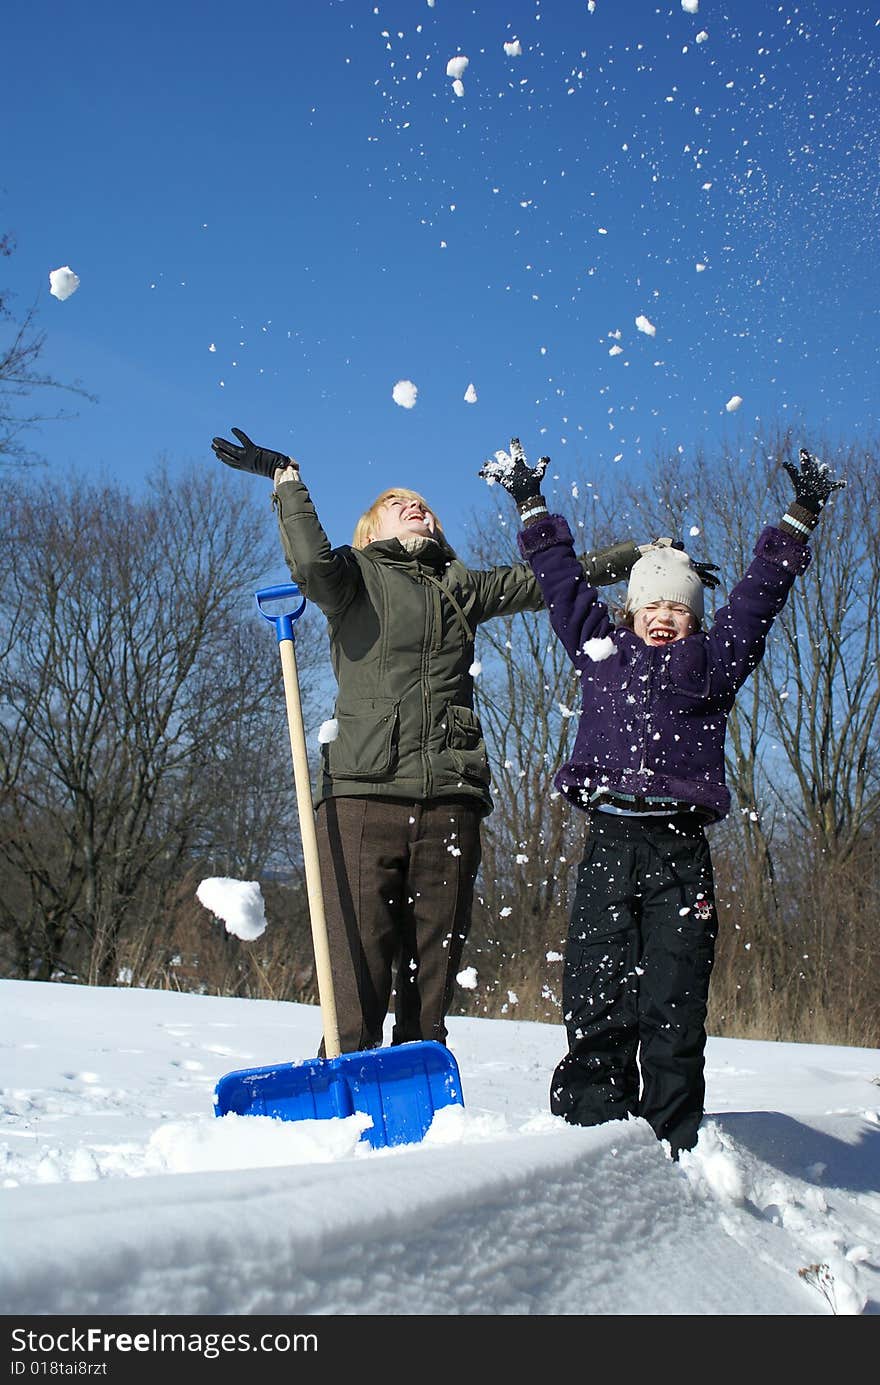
(299, 186)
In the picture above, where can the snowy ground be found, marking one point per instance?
(123, 1194)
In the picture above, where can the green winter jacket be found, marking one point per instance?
(401, 629)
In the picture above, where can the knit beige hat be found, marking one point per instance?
(665, 574)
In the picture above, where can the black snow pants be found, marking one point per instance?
(638, 959)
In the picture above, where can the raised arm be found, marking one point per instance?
(572, 602)
(327, 576)
(739, 632)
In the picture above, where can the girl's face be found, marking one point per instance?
(662, 622)
(401, 516)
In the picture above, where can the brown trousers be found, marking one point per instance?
(398, 884)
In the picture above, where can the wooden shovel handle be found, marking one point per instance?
(305, 808)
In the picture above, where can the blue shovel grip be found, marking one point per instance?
(281, 605)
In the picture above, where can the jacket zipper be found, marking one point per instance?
(426, 691)
(646, 712)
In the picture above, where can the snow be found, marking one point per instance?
(645, 326)
(124, 1194)
(733, 403)
(498, 467)
(470, 395)
(63, 282)
(328, 731)
(599, 649)
(690, 6)
(405, 393)
(456, 66)
(239, 903)
(513, 49)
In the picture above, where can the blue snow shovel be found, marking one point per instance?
(400, 1088)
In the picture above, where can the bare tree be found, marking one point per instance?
(141, 717)
(22, 343)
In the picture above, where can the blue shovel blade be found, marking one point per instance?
(400, 1088)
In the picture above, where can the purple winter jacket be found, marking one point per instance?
(653, 719)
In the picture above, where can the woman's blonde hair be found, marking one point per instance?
(370, 518)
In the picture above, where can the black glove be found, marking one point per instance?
(705, 571)
(258, 460)
(813, 482)
(513, 472)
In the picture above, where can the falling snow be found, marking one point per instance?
(405, 393)
(63, 282)
(239, 903)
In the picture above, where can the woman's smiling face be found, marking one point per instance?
(663, 622)
(401, 516)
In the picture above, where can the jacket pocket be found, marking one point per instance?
(464, 738)
(366, 741)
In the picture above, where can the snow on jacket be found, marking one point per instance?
(654, 719)
(401, 629)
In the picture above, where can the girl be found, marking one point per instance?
(648, 770)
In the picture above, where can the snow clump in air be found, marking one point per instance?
(63, 282)
(405, 393)
(497, 467)
(470, 395)
(239, 903)
(690, 6)
(514, 49)
(599, 649)
(467, 979)
(455, 69)
(733, 403)
(645, 326)
(328, 731)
